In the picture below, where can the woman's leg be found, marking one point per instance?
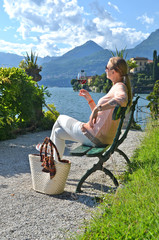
(67, 128)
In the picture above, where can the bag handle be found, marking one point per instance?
(45, 142)
(52, 146)
(48, 163)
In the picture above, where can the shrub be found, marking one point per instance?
(49, 118)
(20, 101)
(153, 97)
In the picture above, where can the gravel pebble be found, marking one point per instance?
(28, 215)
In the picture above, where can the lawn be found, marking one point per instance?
(132, 212)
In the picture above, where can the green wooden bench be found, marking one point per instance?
(104, 153)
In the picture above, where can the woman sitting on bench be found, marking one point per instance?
(100, 129)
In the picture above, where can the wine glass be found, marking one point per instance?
(82, 78)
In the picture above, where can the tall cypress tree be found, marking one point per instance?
(158, 67)
(154, 73)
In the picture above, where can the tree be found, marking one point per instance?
(131, 64)
(148, 69)
(120, 53)
(154, 73)
(31, 67)
(158, 67)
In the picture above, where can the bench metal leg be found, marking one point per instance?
(96, 167)
(107, 172)
(124, 155)
(89, 172)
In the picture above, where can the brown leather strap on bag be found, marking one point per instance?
(48, 162)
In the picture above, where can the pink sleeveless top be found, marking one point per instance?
(104, 130)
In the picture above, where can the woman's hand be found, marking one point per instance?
(84, 93)
(93, 117)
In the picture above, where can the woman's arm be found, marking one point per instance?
(84, 93)
(109, 105)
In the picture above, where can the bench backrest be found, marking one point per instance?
(131, 117)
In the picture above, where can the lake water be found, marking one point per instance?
(70, 103)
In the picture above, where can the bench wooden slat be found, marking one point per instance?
(94, 152)
(80, 150)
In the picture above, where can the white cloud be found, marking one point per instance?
(55, 18)
(101, 12)
(127, 37)
(8, 28)
(114, 6)
(120, 38)
(53, 27)
(15, 48)
(51, 15)
(145, 19)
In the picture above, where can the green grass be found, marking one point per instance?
(133, 211)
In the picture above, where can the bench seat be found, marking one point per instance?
(88, 151)
(80, 150)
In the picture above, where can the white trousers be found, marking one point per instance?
(67, 128)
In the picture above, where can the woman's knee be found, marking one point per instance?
(57, 122)
(61, 117)
(56, 132)
(60, 133)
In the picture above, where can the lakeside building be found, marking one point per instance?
(141, 62)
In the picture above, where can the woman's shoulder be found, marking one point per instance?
(119, 85)
(120, 88)
(116, 85)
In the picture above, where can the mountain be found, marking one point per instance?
(84, 50)
(89, 57)
(146, 48)
(9, 59)
(13, 60)
(46, 59)
(58, 71)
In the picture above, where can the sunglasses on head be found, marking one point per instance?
(106, 68)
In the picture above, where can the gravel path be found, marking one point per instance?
(28, 215)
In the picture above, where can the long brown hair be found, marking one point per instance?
(120, 65)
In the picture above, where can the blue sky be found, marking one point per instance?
(53, 27)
